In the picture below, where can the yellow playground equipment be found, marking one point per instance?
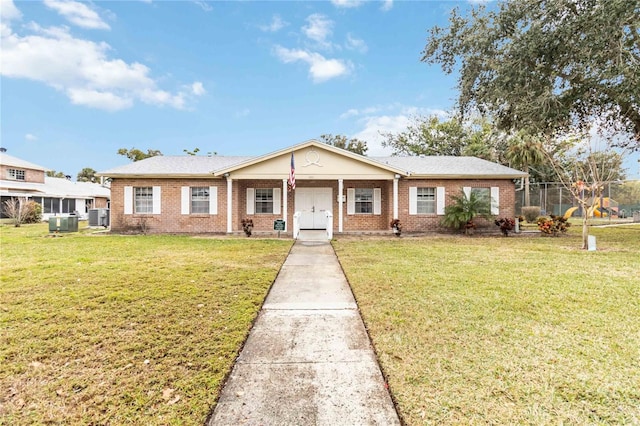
(609, 208)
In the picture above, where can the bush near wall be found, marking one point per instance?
(531, 213)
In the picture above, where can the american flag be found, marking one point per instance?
(292, 175)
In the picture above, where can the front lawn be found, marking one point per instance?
(108, 329)
(494, 330)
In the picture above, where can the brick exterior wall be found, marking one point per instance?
(431, 222)
(170, 220)
(30, 175)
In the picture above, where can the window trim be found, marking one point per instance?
(376, 201)
(439, 202)
(146, 202)
(17, 174)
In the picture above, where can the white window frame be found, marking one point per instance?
(143, 200)
(16, 174)
(353, 200)
(493, 197)
(130, 200)
(438, 201)
(252, 200)
(186, 200)
(199, 199)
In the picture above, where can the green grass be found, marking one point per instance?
(108, 329)
(494, 330)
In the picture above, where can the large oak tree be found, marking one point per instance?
(546, 66)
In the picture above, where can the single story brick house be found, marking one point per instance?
(335, 190)
(20, 179)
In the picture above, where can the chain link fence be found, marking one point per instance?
(619, 200)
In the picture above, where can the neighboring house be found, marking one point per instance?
(22, 179)
(335, 190)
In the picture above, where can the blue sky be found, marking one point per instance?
(81, 80)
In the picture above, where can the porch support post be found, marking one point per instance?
(285, 194)
(395, 196)
(229, 205)
(340, 203)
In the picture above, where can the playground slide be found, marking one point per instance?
(569, 212)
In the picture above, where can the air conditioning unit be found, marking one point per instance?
(99, 217)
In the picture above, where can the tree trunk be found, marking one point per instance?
(527, 197)
(585, 227)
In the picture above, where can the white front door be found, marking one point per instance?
(313, 203)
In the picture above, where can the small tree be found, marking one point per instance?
(524, 151)
(18, 209)
(585, 175)
(53, 173)
(460, 214)
(135, 154)
(86, 175)
(340, 141)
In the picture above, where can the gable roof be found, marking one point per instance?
(54, 187)
(189, 166)
(10, 160)
(450, 167)
(174, 166)
(312, 143)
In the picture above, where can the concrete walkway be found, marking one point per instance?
(308, 359)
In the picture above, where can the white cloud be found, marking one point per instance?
(198, 89)
(319, 28)
(108, 101)
(203, 5)
(9, 12)
(375, 125)
(82, 70)
(396, 121)
(356, 44)
(387, 5)
(78, 13)
(276, 25)
(347, 3)
(320, 68)
(30, 137)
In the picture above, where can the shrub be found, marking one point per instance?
(461, 213)
(247, 226)
(531, 213)
(553, 225)
(506, 224)
(34, 214)
(22, 211)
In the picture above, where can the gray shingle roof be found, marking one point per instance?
(435, 166)
(179, 165)
(442, 166)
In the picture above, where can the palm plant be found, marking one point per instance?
(464, 209)
(525, 151)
